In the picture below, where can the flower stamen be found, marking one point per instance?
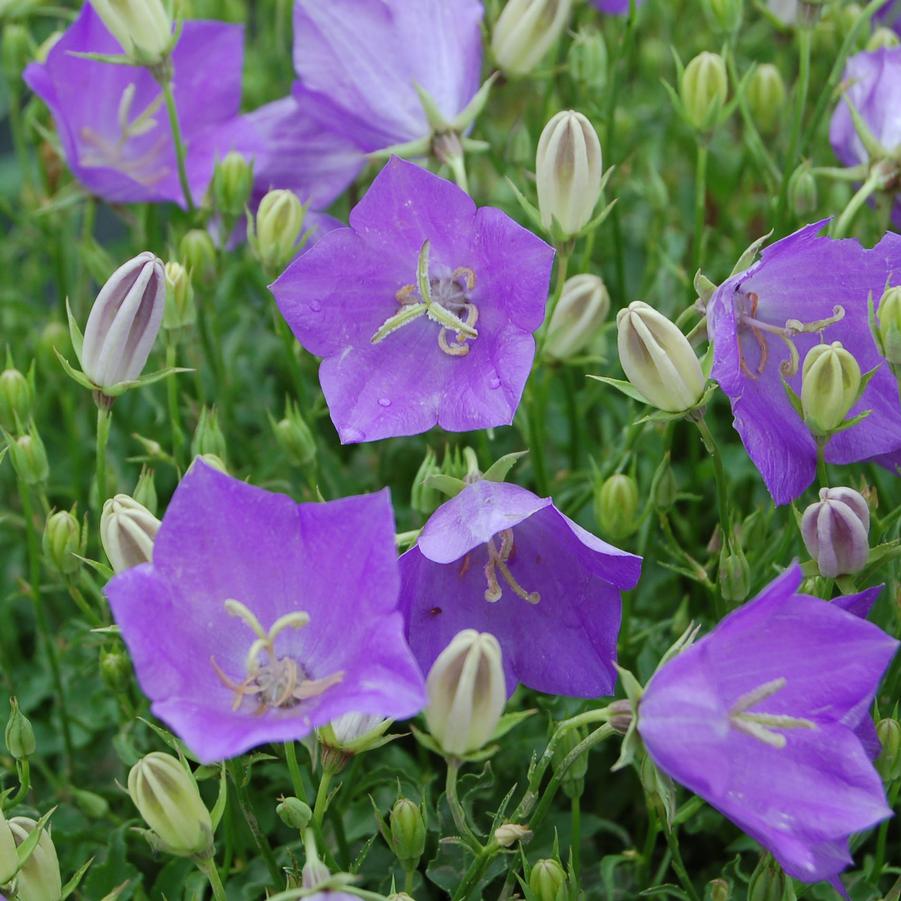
(762, 725)
(497, 563)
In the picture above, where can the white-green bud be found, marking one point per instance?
(802, 190)
(208, 437)
(726, 14)
(766, 97)
(836, 530)
(19, 734)
(830, 384)
(587, 59)
(882, 39)
(547, 880)
(703, 89)
(127, 532)
(9, 862)
(180, 310)
(466, 692)
(568, 169)
(16, 399)
(142, 27)
(616, 504)
(29, 457)
(231, 185)
(39, 879)
(889, 318)
(657, 359)
(525, 31)
(581, 311)
(407, 829)
(278, 224)
(63, 541)
(199, 255)
(166, 796)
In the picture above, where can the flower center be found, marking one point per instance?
(273, 682)
(498, 560)
(444, 299)
(763, 726)
(748, 321)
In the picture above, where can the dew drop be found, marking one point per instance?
(384, 402)
(494, 382)
(315, 306)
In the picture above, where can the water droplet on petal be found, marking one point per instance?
(315, 306)
(494, 382)
(384, 402)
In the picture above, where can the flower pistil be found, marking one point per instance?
(763, 726)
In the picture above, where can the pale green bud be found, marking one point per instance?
(734, 575)
(232, 184)
(115, 669)
(18, 49)
(657, 359)
(766, 97)
(278, 225)
(889, 760)
(19, 735)
(180, 310)
(16, 399)
(145, 490)
(64, 537)
(142, 27)
(208, 437)
(830, 383)
(294, 813)
(9, 861)
(577, 319)
(198, 253)
(882, 39)
(719, 890)
(166, 795)
(802, 190)
(587, 59)
(39, 879)
(547, 881)
(215, 461)
(90, 803)
(511, 833)
(616, 506)
(889, 318)
(525, 31)
(407, 831)
(568, 169)
(466, 692)
(767, 882)
(520, 147)
(423, 497)
(725, 14)
(294, 437)
(127, 532)
(703, 89)
(29, 457)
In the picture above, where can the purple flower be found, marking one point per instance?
(423, 309)
(615, 7)
(260, 619)
(813, 282)
(360, 62)
(759, 718)
(499, 559)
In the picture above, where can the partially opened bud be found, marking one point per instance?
(889, 318)
(64, 540)
(142, 27)
(466, 692)
(16, 399)
(568, 170)
(39, 879)
(127, 532)
(547, 880)
(124, 322)
(525, 31)
(232, 184)
(835, 530)
(166, 796)
(657, 359)
(278, 224)
(703, 89)
(766, 97)
(578, 316)
(407, 831)
(830, 383)
(180, 309)
(616, 506)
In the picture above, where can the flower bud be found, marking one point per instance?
(294, 813)
(802, 190)
(889, 760)
(407, 832)
(145, 490)
(29, 457)
(835, 530)
(278, 224)
(889, 319)
(90, 803)
(578, 316)
(574, 779)
(423, 497)
(511, 833)
(568, 172)
(520, 147)
(39, 879)
(719, 890)
(547, 881)
(664, 487)
(766, 97)
(124, 322)
(734, 575)
(198, 253)
(115, 670)
(767, 882)
(525, 31)
(19, 735)
(466, 692)
(587, 59)
(703, 89)
(166, 796)
(142, 27)
(214, 461)
(294, 436)
(208, 437)
(16, 398)
(232, 184)
(882, 39)
(621, 715)
(17, 50)
(9, 861)
(725, 14)
(830, 384)
(180, 310)
(127, 532)
(657, 359)
(54, 337)
(64, 538)
(616, 506)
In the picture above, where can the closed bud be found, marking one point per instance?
(587, 59)
(115, 669)
(423, 497)
(407, 829)
(767, 882)
(889, 319)
(19, 735)
(621, 715)
(278, 224)
(766, 97)
(574, 779)
(198, 253)
(232, 184)
(830, 384)
(64, 541)
(145, 490)
(657, 359)
(882, 39)
(577, 319)
(889, 760)
(294, 813)
(18, 49)
(525, 31)
(802, 190)
(124, 322)
(9, 861)
(568, 168)
(547, 880)
(90, 803)
(294, 437)
(127, 532)
(29, 457)
(214, 461)
(835, 530)
(511, 833)
(142, 27)
(208, 437)
(166, 795)
(703, 89)
(616, 506)
(39, 879)
(734, 575)
(180, 310)
(664, 487)
(466, 692)
(725, 14)
(719, 890)
(16, 398)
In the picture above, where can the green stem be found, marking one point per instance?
(208, 868)
(409, 876)
(23, 770)
(722, 486)
(843, 224)
(253, 824)
(169, 97)
(565, 253)
(294, 770)
(575, 839)
(472, 876)
(103, 428)
(457, 165)
(679, 865)
(822, 471)
(178, 436)
(700, 201)
(453, 801)
(882, 836)
(805, 37)
(321, 805)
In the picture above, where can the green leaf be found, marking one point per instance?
(25, 850)
(531, 211)
(74, 373)
(445, 484)
(222, 798)
(626, 388)
(498, 470)
(72, 884)
(510, 721)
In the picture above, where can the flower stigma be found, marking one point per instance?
(498, 559)
(444, 299)
(276, 682)
(763, 726)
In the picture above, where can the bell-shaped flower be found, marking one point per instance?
(260, 619)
